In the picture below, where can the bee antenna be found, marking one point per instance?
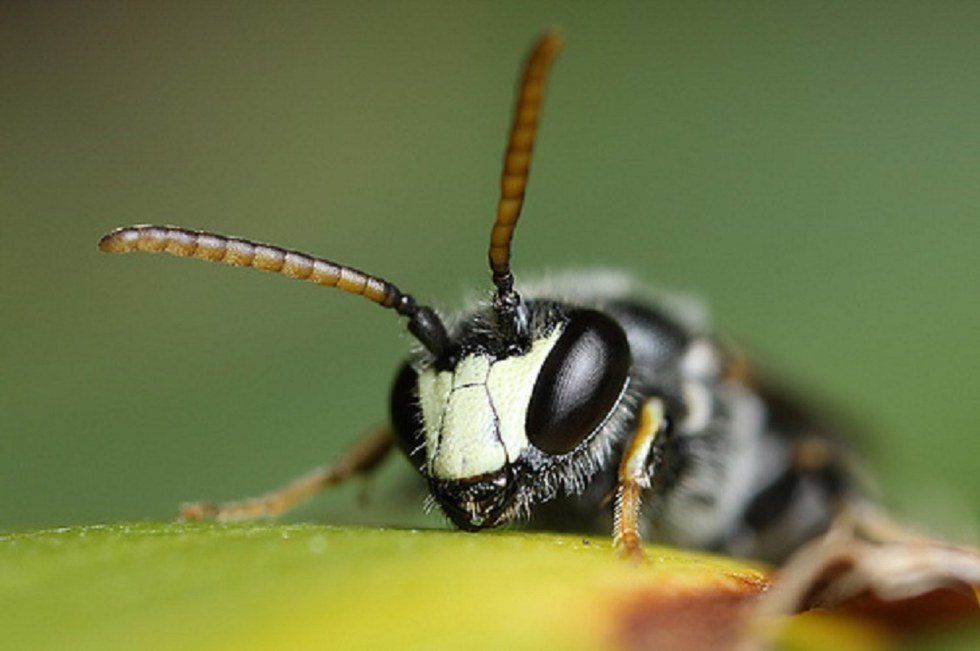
(423, 322)
(517, 165)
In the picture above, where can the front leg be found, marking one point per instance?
(363, 457)
(634, 477)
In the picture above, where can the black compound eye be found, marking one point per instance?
(406, 415)
(579, 384)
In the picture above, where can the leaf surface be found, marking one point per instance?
(255, 586)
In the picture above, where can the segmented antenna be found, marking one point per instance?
(423, 323)
(517, 161)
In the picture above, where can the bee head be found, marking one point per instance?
(505, 414)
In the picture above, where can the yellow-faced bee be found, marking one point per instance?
(548, 403)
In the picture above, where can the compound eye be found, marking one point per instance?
(579, 384)
(406, 415)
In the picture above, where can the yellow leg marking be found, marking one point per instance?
(633, 479)
(363, 457)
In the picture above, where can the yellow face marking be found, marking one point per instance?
(474, 415)
(511, 384)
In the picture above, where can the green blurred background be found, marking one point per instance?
(809, 169)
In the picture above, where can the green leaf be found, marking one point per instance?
(300, 586)
(207, 586)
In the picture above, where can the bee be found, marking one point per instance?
(548, 403)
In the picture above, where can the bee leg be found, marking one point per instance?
(633, 478)
(868, 559)
(363, 457)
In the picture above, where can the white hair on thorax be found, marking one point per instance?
(595, 286)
